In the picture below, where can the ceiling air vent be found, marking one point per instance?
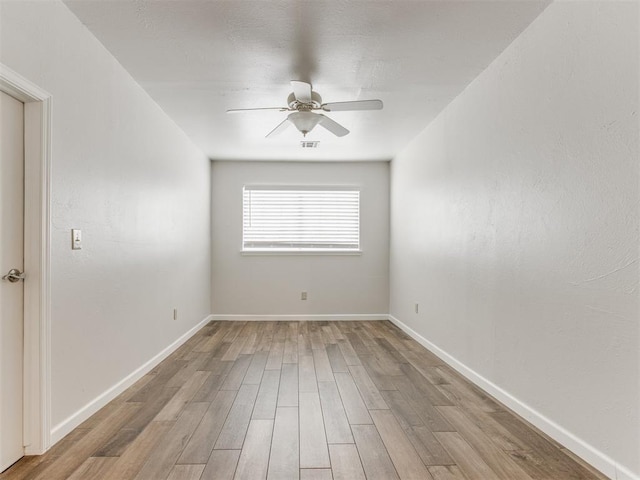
(309, 144)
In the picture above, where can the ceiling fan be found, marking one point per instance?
(303, 101)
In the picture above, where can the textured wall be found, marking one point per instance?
(138, 189)
(515, 225)
(271, 284)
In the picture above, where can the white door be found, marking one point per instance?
(11, 288)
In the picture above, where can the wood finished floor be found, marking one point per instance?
(303, 400)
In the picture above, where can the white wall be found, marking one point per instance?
(271, 284)
(139, 190)
(515, 227)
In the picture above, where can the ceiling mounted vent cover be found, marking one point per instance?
(309, 144)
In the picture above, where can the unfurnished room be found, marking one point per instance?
(319, 240)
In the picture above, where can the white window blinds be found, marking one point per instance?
(301, 219)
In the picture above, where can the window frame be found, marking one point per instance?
(301, 250)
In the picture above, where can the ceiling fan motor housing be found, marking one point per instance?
(314, 104)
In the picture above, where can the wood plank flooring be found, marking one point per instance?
(303, 400)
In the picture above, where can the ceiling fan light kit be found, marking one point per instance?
(304, 121)
(303, 101)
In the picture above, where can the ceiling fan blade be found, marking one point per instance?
(332, 126)
(302, 91)
(355, 105)
(240, 110)
(279, 129)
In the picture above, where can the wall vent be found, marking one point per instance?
(309, 144)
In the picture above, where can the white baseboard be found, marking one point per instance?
(587, 452)
(301, 317)
(63, 428)
(578, 446)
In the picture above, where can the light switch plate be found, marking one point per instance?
(76, 239)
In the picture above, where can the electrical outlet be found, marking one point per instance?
(175, 313)
(303, 296)
(416, 308)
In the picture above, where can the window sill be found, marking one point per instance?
(300, 252)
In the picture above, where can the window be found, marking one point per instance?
(301, 219)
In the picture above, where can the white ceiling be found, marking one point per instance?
(198, 58)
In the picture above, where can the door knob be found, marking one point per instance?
(14, 275)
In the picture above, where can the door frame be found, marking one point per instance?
(37, 259)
